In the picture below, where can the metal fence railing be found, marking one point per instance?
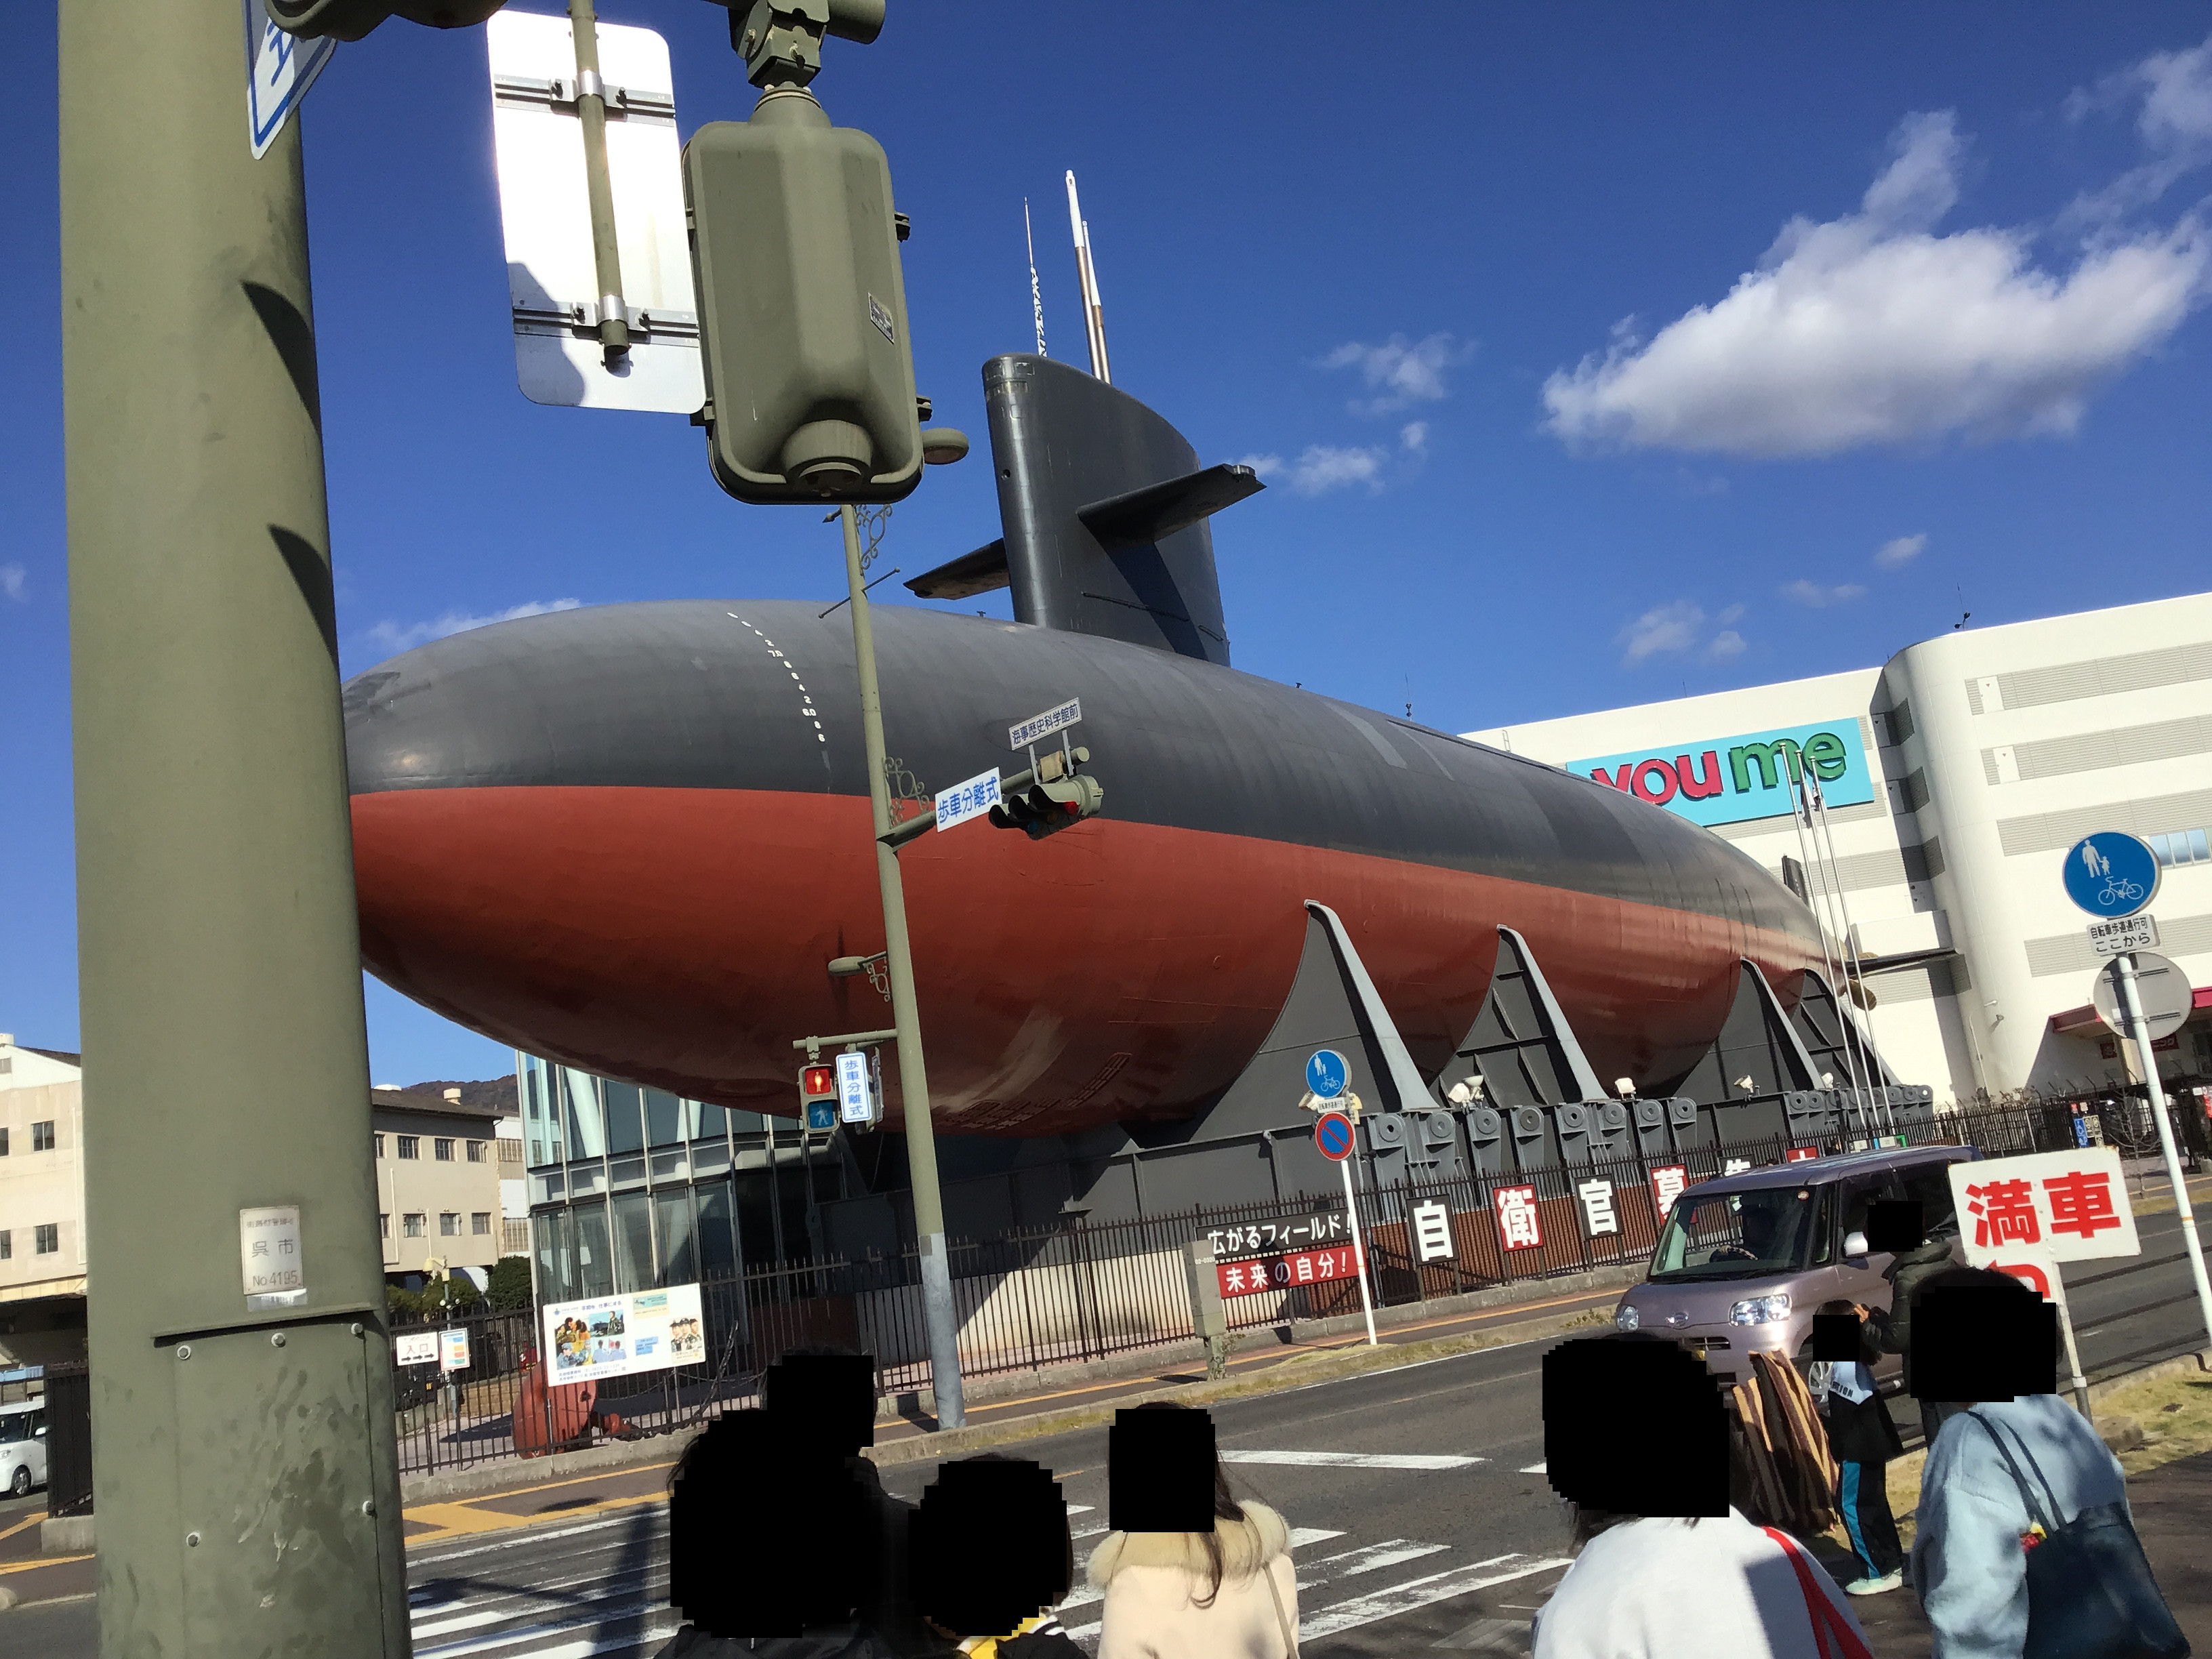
(1077, 1292)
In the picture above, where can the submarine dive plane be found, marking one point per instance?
(632, 837)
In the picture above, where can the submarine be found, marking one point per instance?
(632, 838)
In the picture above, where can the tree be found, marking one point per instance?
(402, 1302)
(508, 1290)
(454, 1293)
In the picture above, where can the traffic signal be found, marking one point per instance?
(1051, 797)
(818, 1096)
(802, 309)
(350, 20)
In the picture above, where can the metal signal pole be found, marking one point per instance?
(951, 1411)
(2123, 973)
(245, 1467)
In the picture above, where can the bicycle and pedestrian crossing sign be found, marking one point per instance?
(2111, 874)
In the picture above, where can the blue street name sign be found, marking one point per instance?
(2111, 874)
(1333, 1135)
(1327, 1075)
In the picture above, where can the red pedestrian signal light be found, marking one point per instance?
(818, 1083)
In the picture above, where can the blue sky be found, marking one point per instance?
(1594, 354)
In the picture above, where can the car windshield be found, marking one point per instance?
(1741, 1235)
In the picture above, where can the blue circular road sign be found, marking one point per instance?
(1327, 1075)
(1333, 1135)
(2111, 873)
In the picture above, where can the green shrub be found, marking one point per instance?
(508, 1290)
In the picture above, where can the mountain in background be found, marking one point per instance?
(496, 1093)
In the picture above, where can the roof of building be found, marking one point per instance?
(62, 1055)
(406, 1100)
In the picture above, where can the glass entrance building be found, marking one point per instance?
(633, 1187)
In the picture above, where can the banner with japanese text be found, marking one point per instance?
(2072, 1204)
(1279, 1273)
(1520, 1227)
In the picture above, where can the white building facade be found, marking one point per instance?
(1956, 776)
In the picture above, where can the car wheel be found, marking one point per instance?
(20, 1486)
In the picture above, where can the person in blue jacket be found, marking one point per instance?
(1987, 1342)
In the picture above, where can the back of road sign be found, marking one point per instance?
(545, 208)
(2162, 991)
(2111, 874)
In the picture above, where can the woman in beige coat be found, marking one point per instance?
(1229, 1594)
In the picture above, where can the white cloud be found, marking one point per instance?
(1402, 375)
(1678, 630)
(1321, 468)
(12, 579)
(1897, 553)
(1820, 597)
(1414, 434)
(393, 637)
(2172, 93)
(1871, 329)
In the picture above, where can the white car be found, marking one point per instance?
(23, 1446)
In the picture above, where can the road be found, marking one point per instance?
(1442, 1533)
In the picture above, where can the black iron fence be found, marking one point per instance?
(1076, 1292)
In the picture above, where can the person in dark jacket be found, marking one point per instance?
(991, 1555)
(1864, 1440)
(1895, 1225)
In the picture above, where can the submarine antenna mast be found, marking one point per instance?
(1094, 312)
(1036, 292)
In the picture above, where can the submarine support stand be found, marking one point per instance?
(942, 1320)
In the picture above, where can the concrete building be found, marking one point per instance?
(42, 1261)
(1956, 776)
(438, 1185)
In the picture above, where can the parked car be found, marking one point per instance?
(23, 1446)
(1744, 1261)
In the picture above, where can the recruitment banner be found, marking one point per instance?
(605, 1336)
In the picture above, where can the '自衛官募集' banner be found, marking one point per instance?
(1753, 776)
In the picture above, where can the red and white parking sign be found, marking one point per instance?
(1278, 1273)
(1519, 1225)
(2072, 1205)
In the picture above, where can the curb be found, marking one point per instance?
(2200, 1361)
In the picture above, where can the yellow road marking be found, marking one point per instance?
(31, 1520)
(456, 1520)
(48, 1561)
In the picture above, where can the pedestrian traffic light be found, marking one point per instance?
(818, 1096)
(350, 20)
(802, 305)
(1050, 797)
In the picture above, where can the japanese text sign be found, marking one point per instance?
(1667, 1181)
(1519, 1226)
(414, 1348)
(1043, 726)
(2072, 1204)
(268, 1251)
(972, 799)
(1257, 1238)
(1432, 1231)
(1277, 1272)
(1598, 1215)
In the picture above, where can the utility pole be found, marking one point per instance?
(245, 1475)
(943, 1319)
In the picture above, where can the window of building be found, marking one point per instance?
(48, 1239)
(377, 1140)
(449, 1224)
(411, 1223)
(480, 1221)
(384, 1225)
(2182, 847)
(476, 1152)
(411, 1146)
(510, 1151)
(42, 1136)
(444, 1149)
(4, 1142)
(7, 1244)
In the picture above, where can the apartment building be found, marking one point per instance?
(438, 1185)
(42, 1260)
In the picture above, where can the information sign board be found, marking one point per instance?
(604, 1336)
(2072, 1204)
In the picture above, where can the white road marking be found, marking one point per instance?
(1534, 1468)
(655, 1629)
(1420, 1592)
(1300, 1536)
(1373, 1559)
(1351, 1460)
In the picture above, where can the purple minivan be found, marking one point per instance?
(1744, 1261)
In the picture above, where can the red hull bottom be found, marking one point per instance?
(680, 938)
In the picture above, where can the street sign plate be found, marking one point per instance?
(854, 1105)
(279, 69)
(2136, 932)
(545, 207)
(1333, 1135)
(2161, 988)
(453, 1350)
(2111, 874)
(1327, 1075)
(415, 1347)
(971, 799)
(1040, 726)
(2073, 1204)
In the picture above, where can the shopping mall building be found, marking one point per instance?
(1956, 775)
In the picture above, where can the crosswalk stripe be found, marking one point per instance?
(1373, 1559)
(655, 1629)
(1534, 1468)
(1419, 1593)
(1084, 1597)
(1351, 1460)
